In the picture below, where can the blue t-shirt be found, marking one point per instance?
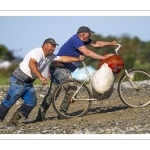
(70, 48)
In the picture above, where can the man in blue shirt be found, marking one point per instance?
(61, 72)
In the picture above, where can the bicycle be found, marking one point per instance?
(77, 94)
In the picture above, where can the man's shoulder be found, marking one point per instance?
(52, 56)
(74, 37)
(74, 40)
(37, 49)
(35, 53)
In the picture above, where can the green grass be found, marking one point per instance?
(5, 81)
(38, 82)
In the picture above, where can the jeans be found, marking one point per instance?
(18, 90)
(58, 75)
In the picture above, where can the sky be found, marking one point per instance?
(21, 34)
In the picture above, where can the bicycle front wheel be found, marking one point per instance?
(131, 96)
(62, 103)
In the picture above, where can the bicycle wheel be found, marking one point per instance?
(62, 99)
(135, 97)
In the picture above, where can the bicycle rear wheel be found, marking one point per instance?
(135, 97)
(62, 99)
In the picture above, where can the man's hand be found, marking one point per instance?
(113, 43)
(43, 80)
(108, 55)
(81, 57)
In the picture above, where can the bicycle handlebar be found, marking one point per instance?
(87, 72)
(116, 50)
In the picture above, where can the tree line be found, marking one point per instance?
(135, 53)
(5, 54)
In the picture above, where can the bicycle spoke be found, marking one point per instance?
(129, 95)
(63, 103)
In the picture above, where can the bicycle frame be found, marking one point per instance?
(125, 71)
(88, 78)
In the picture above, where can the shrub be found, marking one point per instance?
(6, 72)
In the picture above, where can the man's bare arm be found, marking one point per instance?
(67, 59)
(35, 70)
(102, 43)
(90, 53)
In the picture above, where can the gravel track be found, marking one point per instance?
(109, 116)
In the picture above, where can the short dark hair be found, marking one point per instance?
(51, 41)
(85, 29)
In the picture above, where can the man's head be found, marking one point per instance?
(84, 33)
(49, 46)
(50, 41)
(84, 29)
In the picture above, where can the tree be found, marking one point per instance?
(5, 54)
(134, 52)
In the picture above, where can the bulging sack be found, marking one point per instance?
(101, 82)
(115, 62)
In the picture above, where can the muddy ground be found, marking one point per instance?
(109, 116)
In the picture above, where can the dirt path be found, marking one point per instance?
(104, 117)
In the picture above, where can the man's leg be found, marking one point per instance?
(58, 76)
(30, 102)
(64, 75)
(46, 103)
(13, 94)
(3, 111)
(64, 105)
(21, 112)
(66, 101)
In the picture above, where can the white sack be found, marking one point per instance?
(101, 82)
